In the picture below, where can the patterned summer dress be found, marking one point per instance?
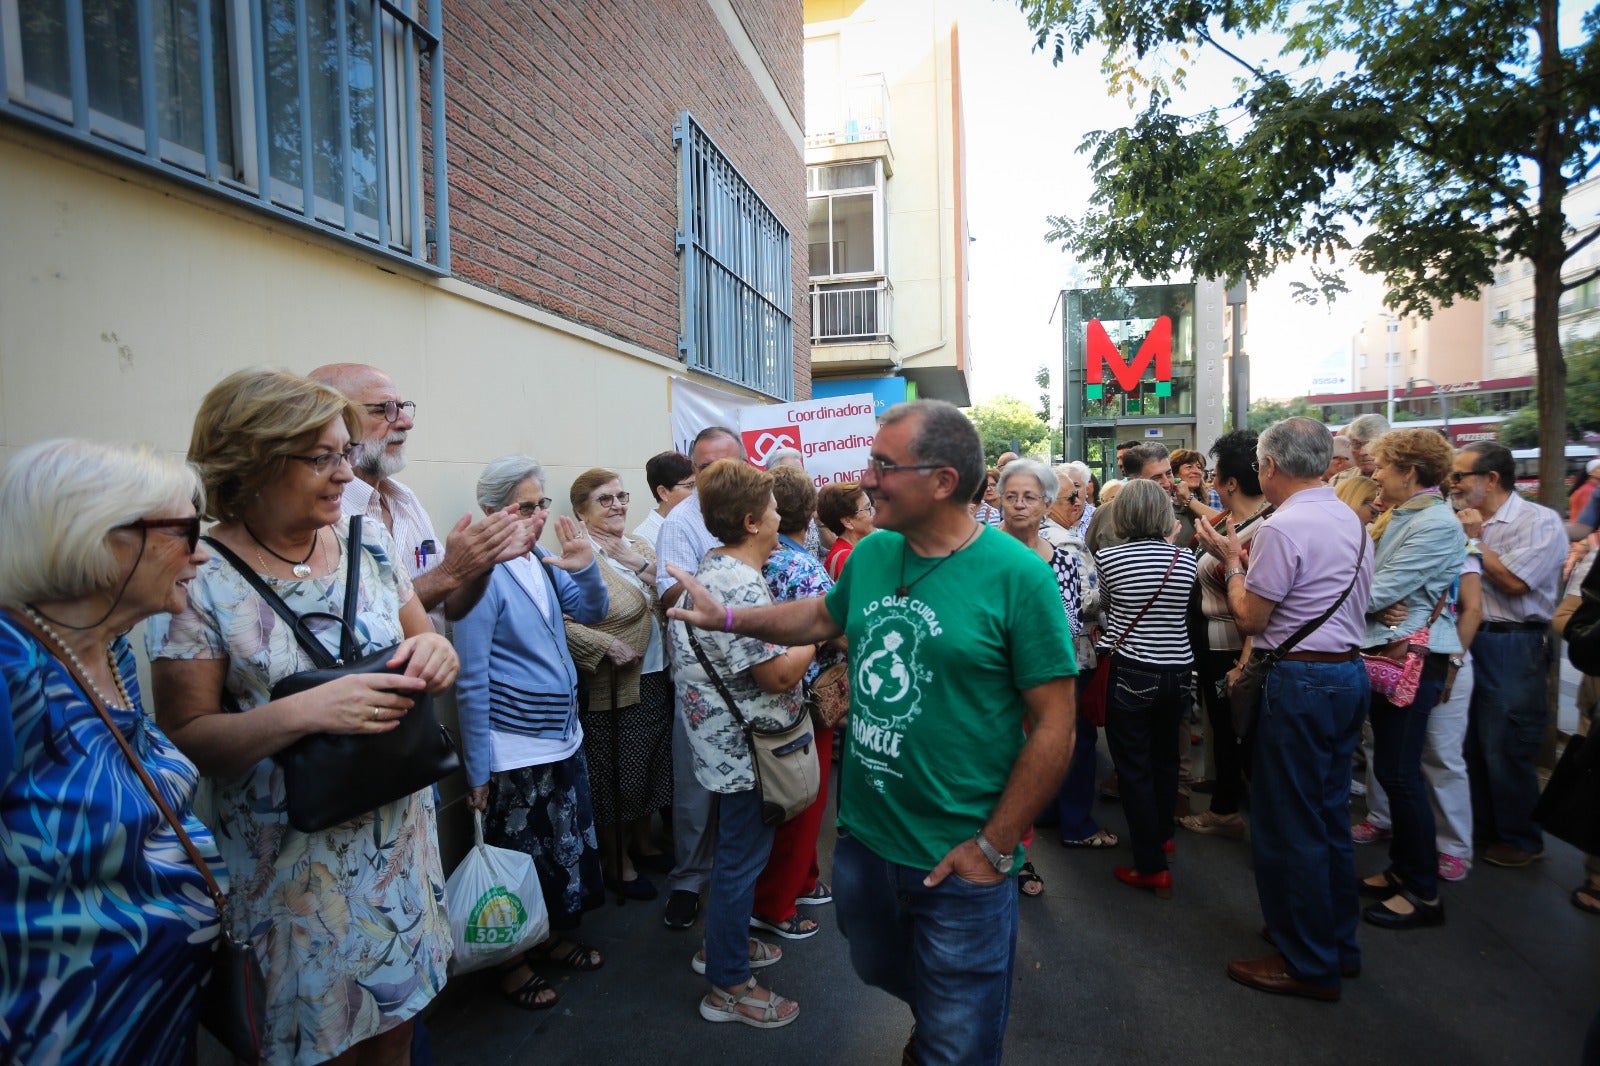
(106, 927)
(350, 921)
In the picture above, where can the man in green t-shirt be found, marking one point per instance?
(957, 642)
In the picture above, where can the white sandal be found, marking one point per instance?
(762, 954)
(723, 1006)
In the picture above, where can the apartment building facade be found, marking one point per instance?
(886, 200)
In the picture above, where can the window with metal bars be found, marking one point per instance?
(308, 109)
(737, 288)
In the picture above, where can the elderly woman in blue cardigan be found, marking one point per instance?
(518, 701)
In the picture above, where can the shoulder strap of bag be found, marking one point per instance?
(1126, 633)
(302, 635)
(716, 678)
(217, 895)
(1316, 623)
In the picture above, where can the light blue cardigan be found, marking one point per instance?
(1419, 557)
(516, 673)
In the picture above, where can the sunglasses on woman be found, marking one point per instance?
(190, 527)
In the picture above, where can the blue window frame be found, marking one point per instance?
(307, 109)
(736, 321)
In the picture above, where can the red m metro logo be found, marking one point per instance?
(1157, 346)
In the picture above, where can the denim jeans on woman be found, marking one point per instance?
(1399, 735)
(948, 950)
(1444, 768)
(743, 845)
(1142, 714)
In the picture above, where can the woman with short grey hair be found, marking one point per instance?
(106, 927)
(1146, 582)
(518, 703)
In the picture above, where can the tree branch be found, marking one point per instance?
(1575, 282)
(1581, 243)
(1260, 74)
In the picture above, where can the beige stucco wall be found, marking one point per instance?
(122, 300)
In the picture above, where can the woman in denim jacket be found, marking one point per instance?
(1420, 548)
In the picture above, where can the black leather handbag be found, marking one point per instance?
(331, 778)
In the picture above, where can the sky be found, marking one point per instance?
(1024, 121)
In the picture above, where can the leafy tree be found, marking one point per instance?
(1428, 141)
(1265, 412)
(1004, 419)
(1521, 429)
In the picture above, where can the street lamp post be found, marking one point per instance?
(1394, 330)
(1444, 400)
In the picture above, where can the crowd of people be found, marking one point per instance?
(608, 688)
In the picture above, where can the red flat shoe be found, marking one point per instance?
(1160, 884)
(1170, 846)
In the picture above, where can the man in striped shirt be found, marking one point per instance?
(1523, 547)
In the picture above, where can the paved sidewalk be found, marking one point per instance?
(1105, 974)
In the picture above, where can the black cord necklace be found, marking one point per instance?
(302, 569)
(904, 590)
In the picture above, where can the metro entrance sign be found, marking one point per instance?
(1154, 347)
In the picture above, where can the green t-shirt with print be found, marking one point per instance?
(936, 708)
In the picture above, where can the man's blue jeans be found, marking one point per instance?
(947, 951)
(1505, 726)
(743, 845)
(1306, 732)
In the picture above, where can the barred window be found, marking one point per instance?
(309, 109)
(736, 321)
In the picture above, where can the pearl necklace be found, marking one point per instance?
(111, 661)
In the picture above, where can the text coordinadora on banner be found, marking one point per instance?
(833, 436)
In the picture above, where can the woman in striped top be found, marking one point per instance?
(1146, 583)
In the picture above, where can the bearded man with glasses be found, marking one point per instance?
(454, 573)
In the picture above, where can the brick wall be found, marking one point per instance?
(563, 174)
(774, 29)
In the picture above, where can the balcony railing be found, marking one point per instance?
(862, 113)
(852, 312)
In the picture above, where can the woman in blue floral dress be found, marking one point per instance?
(349, 921)
(106, 926)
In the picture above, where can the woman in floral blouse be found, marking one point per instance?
(764, 679)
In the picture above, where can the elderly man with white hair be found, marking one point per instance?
(454, 573)
(1360, 433)
(1343, 459)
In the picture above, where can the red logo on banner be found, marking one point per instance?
(760, 443)
(1156, 346)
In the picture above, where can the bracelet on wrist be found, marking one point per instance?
(727, 620)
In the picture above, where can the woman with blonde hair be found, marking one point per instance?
(1361, 495)
(1420, 551)
(627, 728)
(106, 924)
(343, 977)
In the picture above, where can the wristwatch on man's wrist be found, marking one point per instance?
(1001, 863)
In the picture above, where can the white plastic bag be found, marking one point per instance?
(496, 907)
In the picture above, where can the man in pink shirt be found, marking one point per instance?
(1315, 699)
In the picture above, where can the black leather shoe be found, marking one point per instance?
(1391, 887)
(683, 907)
(1422, 914)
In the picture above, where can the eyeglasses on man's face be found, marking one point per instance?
(188, 527)
(883, 467)
(528, 510)
(1456, 476)
(1073, 498)
(390, 409)
(325, 462)
(608, 499)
